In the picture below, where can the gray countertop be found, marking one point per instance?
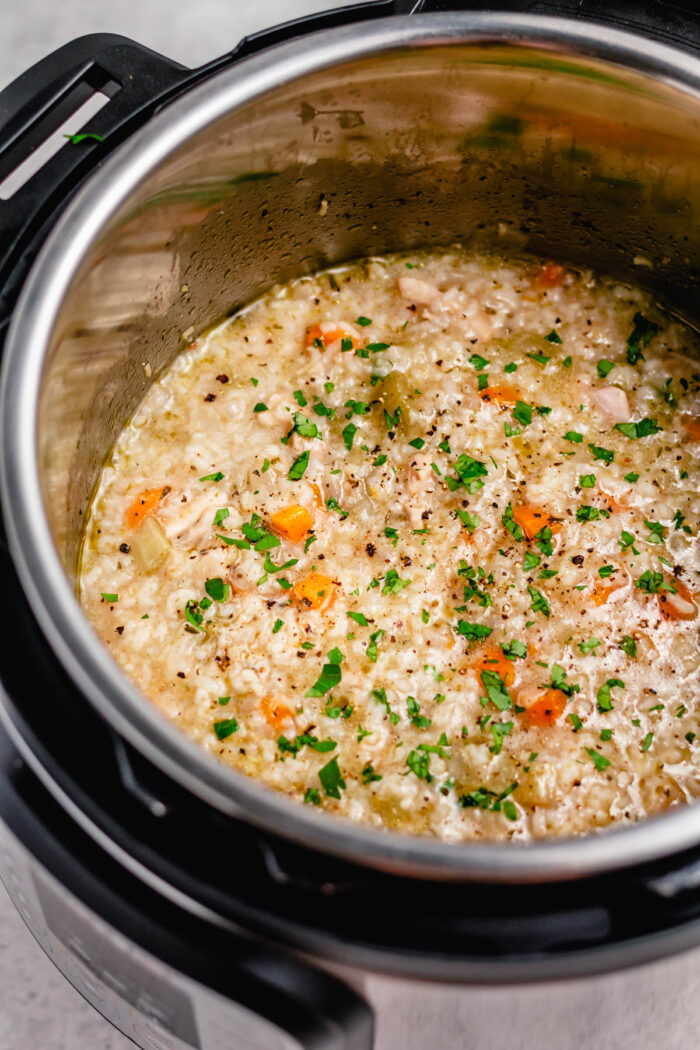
(39, 1010)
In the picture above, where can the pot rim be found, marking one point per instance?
(111, 692)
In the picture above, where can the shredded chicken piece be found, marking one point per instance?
(418, 291)
(612, 403)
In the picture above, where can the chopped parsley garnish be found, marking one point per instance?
(558, 681)
(260, 407)
(213, 477)
(643, 428)
(573, 435)
(514, 650)
(393, 583)
(84, 136)
(417, 719)
(484, 798)
(110, 598)
(277, 626)
(323, 410)
(522, 413)
(479, 362)
(470, 521)
(298, 467)
(419, 763)
(300, 399)
(632, 477)
(356, 408)
(372, 651)
(539, 602)
(369, 775)
(642, 334)
(330, 675)
(599, 761)
(531, 561)
(217, 589)
(657, 532)
(312, 797)
(381, 698)
(589, 646)
(541, 359)
(554, 337)
(331, 778)
(469, 474)
(629, 646)
(586, 513)
(417, 443)
(358, 618)
(293, 747)
(604, 367)
(646, 743)
(604, 696)
(653, 583)
(303, 426)
(225, 727)
(193, 615)
(364, 321)
(626, 541)
(511, 525)
(498, 731)
(586, 481)
(677, 522)
(392, 421)
(575, 721)
(332, 504)
(349, 435)
(473, 631)
(496, 691)
(605, 454)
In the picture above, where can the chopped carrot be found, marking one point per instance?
(550, 275)
(679, 606)
(602, 591)
(612, 503)
(276, 713)
(504, 396)
(145, 504)
(531, 519)
(326, 333)
(315, 591)
(692, 427)
(318, 495)
(294, 522)
(546, 709)
(493, 659)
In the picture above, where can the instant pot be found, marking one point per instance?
(193, 907)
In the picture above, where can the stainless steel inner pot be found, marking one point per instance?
(541, 134)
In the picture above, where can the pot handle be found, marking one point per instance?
(674, 23)
(39, 168)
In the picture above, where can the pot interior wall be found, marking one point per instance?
(523, 147)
